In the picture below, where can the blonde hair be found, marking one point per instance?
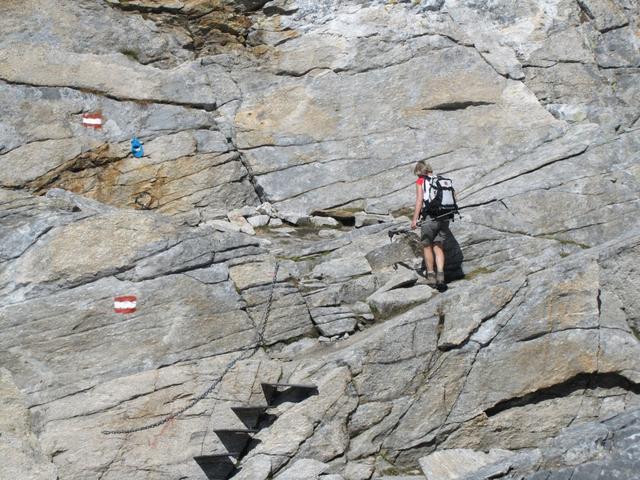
(422, 168)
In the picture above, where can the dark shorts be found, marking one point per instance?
(434, 231)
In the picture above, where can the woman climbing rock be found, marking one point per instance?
(435, 206)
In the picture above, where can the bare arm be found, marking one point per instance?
(418, 207)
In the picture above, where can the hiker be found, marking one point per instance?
(435, 204)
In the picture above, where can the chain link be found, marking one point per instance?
(247, 354)
(267, 309)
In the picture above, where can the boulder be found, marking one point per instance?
(334, 320)
(259, 220)
(241, 223)
(389, 303)
(324, 221)
(457, 464)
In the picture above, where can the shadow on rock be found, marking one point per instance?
(453, 259)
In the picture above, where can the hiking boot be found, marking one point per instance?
(440, 278)
(431, 279)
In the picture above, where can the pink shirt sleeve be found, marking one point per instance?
(420, 181)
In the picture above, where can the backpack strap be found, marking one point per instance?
(426, 185)
(430, 182)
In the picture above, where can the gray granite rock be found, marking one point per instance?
(593, 450)
(388, 303)
(342, 268)
(21, 452)
(292, 109)
(259, 220)
(399, 279)
(307, 469)
(334, 320)
(324, 221)
(606, 14)
(401, 477)
(358, 471)
(457, 464)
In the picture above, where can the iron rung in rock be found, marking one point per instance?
(218, 466)
(277, 393)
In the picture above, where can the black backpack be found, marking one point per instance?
(439, 200)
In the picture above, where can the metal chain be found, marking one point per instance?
(267, 309)
(248, 353)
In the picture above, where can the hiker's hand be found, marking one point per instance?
(414, 225)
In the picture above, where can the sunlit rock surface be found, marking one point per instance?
(264, 234)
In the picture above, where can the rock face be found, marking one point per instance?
(592, 450)
(459, 463)
(22, 454)
(265, 238)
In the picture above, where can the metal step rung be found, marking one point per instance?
(250, 408)
(221, 455)
(277, 393)
(217, 466)
(238, 431)
(303, 386)
(249, 414)
(235, 440)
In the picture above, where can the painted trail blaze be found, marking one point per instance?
(92, 120)
(125, 304)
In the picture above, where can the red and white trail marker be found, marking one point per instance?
(92, 120)
(125, 304)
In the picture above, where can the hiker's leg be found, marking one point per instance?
(439, 254)
(428, 230)
(438, 251)
(429, 263)
(428, 258)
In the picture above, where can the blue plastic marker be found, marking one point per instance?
(136, 148)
